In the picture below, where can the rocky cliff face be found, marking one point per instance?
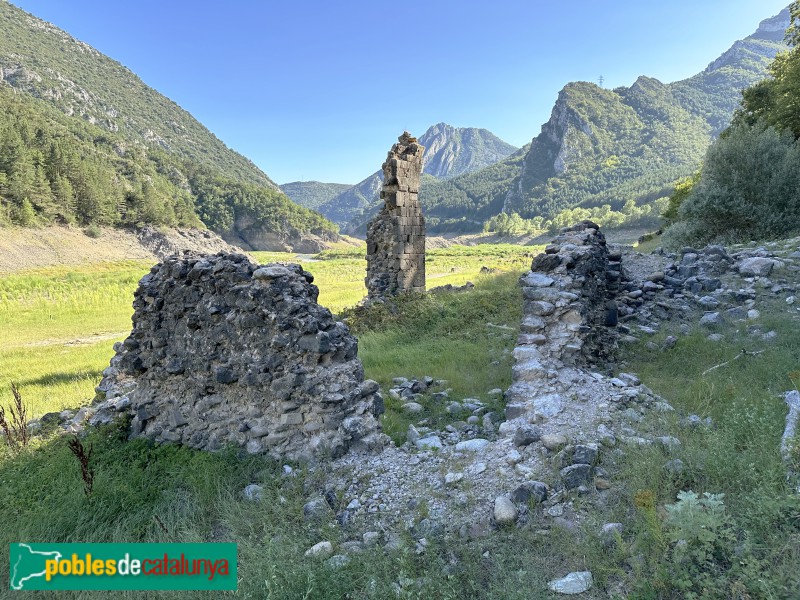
(598, 140)
(452, 151)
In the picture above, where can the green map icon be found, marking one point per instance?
(27, 564)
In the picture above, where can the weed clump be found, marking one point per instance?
(87, 471)
(16, 430)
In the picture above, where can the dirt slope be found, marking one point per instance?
(22, 249)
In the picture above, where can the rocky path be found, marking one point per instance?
(528, 466)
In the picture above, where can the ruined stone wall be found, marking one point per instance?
(226, 352)
(569, 314)
(396, 237)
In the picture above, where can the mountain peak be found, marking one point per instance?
(451, 151)
(773, 28)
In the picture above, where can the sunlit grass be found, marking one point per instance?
(61, 304)
(53, 377)
(340, 273)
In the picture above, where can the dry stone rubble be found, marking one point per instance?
(227, 352)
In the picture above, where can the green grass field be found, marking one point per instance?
(58, 326)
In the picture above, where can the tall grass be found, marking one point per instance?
(737, 456)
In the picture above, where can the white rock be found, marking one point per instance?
(320, 550)
(537, 280)
(513, 457)
(475, 445)
(413, 407)
(523, 470)
(253, 492)
(477, 468)
(270, 272)
(573, 583)
(453, 478)
(505, 512)
(549, 405)
(429, 443)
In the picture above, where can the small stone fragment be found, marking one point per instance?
(573, 583)
(453, 478)
(576, 475)
(527, 434)
(529, 490)
(474, 445)
(505, 513)
(253, 492)
(429, 443)
(320, 550)
(553, 441)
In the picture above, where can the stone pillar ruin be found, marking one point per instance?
(396, 237)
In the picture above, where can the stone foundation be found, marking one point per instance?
(396, 238)
(225, 352)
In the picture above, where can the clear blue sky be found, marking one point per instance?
(320, 90)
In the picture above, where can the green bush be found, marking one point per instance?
(702, 539)
(93, 231)
(749, 189)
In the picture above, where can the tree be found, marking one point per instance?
(749, 187)
(23, 213)
(683, 188)
(793, 32)
(776, 100)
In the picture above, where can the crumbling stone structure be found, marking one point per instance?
(570, 312)
(225, 352)
(396, 237)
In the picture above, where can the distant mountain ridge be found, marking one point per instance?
(449, 152)
(452, 151)
(608, 146)
(603, 146)
(86, 141)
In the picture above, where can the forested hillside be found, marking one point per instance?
(749, 185)
(83, 140)
(313, 194)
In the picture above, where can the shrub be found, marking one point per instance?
(16, 431)
(749, 188)
(93, 231)
(702, 541)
